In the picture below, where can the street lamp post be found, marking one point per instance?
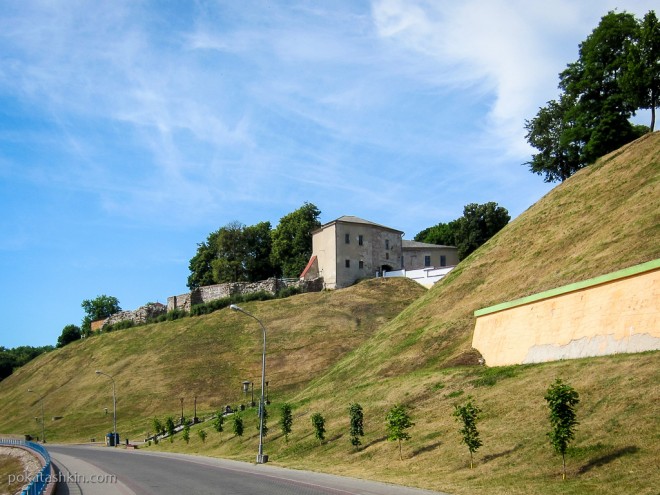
(114, 408)
(43, 427)
(261, 458)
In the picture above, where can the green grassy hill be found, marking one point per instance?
(386, 342)
(205, 357)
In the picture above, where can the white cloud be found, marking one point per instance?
(511, 49)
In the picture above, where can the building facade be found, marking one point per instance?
(418, 255)
(350, 248)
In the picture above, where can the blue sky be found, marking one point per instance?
(130, 130)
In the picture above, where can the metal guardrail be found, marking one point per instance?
(40, 481)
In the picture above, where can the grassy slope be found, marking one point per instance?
(602, 219)
(206, 356)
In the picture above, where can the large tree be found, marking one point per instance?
(599, 93)
(550, 133)
(601, 109)
(230, 254)
(478, 224)
(259, 245)
(18, 356)
(641, 80)
(201, 271)
(292, 240)
(443, 234)
(233, 253)
(97, 309)
(70, 333)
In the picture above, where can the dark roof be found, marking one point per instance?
(422, 245)
(357, 220)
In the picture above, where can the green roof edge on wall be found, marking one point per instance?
(602, 279)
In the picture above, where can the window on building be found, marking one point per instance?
(387, 244)
(443, 260)
(387, 256)
(347, 238)
(348, 263)
(360, 240)
(427, 261)
(361, 265)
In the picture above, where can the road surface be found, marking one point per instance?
(94, 470)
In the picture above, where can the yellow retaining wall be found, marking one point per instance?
(612, 314)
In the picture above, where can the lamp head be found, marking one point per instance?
(234, 307)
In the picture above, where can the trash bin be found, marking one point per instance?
(109, 440)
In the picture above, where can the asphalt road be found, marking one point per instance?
(93, 470)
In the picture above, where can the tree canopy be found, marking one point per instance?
(292, 239)
(11, 359)
(617, 72)
(239, 253)
(70, 333)
(97, 309)
(478, 224)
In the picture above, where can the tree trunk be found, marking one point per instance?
(470, 459)
(563, 462)
(652, 118)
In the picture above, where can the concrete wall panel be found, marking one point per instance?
(608, 315)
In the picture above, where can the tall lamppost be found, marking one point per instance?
(114, 408)
(261, 458)
(43, 427)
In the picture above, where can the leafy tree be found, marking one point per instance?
(616, 73)
(468, 414)
(218, 422)
(11, 359)
(356, 429)
(562, 399)
(234, 253)
(286, 420)
(202, 435)
(641, 80)
(7, 363)
(70, 333)
(559, 158)
(478, 224)
(443, 234)
(318, 422)
(292, 240)
(398, 421)
(201, 271)
(238, 425)
(601, 111)
(259, 245)
(97, 309)
(169, 425)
